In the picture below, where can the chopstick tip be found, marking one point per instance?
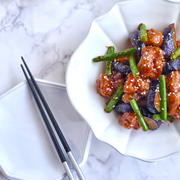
(22, 67)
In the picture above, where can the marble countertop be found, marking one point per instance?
(46, 33)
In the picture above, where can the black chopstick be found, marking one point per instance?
(46, 106)
(50, 130)
(55, 124)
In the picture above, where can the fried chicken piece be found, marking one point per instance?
(124, 59)
(135, 88)
(128, 97)
(173, 94)
(178, 43)
(174, 104)
(173, 81)
(155, 38)
(152, 62)
(129, 120)
(106, 86)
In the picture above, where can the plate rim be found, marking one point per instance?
(67, 75)
(9, 175)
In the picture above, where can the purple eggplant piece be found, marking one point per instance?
(167, 68)
(142, 101)
(169, 42)
(171, 66)
(152, 124)
(120, 67)
(136, 42)
(151, 97)
(126, 107)
(123, 108)
(146, 112)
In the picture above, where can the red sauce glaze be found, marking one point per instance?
(158, 101)
(173, 94)
(134, 88)
(124, 60)
(178, 43)
(106, 86)
(129, 120)
(128, 97)
(155, 38)
(152, 62)
(173, 81)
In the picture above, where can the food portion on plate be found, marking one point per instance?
(142, 83)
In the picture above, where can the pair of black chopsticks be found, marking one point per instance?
(50, 121)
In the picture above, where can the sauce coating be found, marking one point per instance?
(173, 94)
(134, 88)
(152, 62)
(155, 38)
(129, 120)
(106, 86)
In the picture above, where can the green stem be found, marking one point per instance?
(133, 67)
(109, 63)
(138, 113)
(176, 54)
(163, 94)
(110, 57)
(143, 33)
(158, 117)
(115, 98)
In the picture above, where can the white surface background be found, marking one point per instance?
(46, 33)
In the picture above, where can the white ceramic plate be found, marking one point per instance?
(113, 29)
(26, 151)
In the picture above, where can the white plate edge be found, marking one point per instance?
(54, 84)
(68, 92)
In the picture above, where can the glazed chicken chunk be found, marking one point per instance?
(106, 86)
(129, 120)
(155, 38)
(152, 62)
(135, 87)
(173, 94)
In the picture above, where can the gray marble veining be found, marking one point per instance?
(46, 33)
(106, 163)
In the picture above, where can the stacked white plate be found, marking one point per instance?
(26, 151)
